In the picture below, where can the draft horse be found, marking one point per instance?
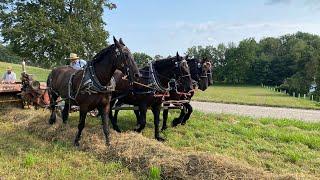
(89, 88)
(200, 71)
(151, 89)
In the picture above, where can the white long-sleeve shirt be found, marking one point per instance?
(78, 64)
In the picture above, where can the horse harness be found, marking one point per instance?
(89, 84)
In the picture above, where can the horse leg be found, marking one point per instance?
(105, 122)
(189, 112)
(165, 118)
(137, 113)
(82, 122)
(156, 116)
(65, 112)
(114, 120)
(142, 119)
(179, 119)
(53, 117)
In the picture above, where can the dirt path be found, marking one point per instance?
(258, 111)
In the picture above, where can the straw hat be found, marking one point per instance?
(9, 68)
(73, 56)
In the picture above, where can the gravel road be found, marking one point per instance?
(258, 111)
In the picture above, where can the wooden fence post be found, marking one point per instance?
(304, 96)
(294, 94)
(312, 97)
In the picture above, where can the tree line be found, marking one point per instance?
(291, 61)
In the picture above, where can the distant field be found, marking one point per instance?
(39, 73)
(252, 95)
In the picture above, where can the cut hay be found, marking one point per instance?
(140, 154)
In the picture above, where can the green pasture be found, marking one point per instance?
(279, 146)
(38, 73)
(252, 95)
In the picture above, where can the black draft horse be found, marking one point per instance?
(88, 88)
(200, 71)
(151, 89)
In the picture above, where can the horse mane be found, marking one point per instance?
(99, 56)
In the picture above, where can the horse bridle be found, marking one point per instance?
(119, 53)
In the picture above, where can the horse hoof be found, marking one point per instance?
(175, 122)
(51, 122)
(117, 129)
(160, 139)
(164, 128)
(76, 143)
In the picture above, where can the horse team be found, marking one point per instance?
(159, 82)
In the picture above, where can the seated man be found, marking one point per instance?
(9, 77)
(76, 62)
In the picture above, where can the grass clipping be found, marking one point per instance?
(140, 154)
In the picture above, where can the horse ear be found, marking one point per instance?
(187, 56)
(178, 54)
(116, 42)
(121, 42)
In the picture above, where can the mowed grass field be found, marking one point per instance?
(252, 95)
(26, 156)
(38, 73)
(277, 146)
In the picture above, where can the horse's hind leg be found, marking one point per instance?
(189, 112)
(114, 120)
(82, 122)
(165, 118)
(156, 116)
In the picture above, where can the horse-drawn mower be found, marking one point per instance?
(23, 94)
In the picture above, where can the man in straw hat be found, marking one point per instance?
(76, 62)
(9, 76)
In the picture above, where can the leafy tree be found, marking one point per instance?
(157, 57)
(46, 31)
(141, 58)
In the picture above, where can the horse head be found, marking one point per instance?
(182, 73)
(125, 61)
(208, 67)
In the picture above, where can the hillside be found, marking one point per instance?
(40, 74)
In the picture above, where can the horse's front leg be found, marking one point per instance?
(105, 119)
(53, 116)
(65, 112)
(179, 119)
(156, 116)
(189, 112)
(82, 122)
(142, 117)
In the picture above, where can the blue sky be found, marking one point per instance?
(166, 26)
